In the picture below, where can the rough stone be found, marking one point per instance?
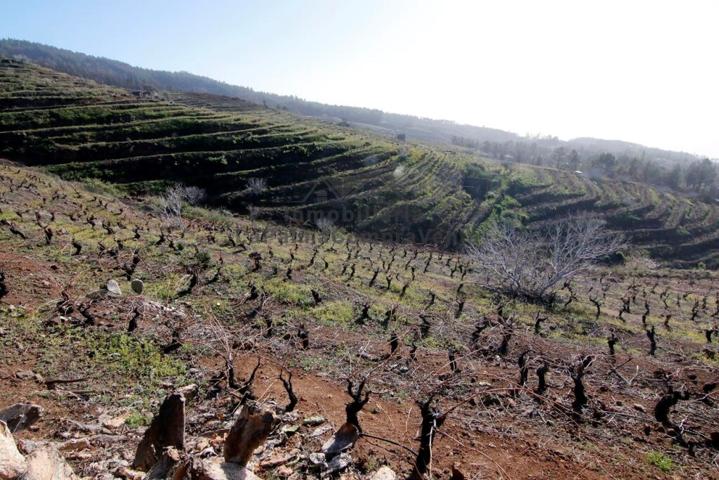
(384, 473)
(215, 469)
(321, 430)
(314, 421)
(188, 391)
(137, 286)
(25, 375)
(284, 471)
(289, 429)
(342, 440)
(21, 416)
(12, 463)
(75, 444)
(340, 462)
(46, 463)
(277, 459)
(128, 474)
(113, 288)
(114, 422)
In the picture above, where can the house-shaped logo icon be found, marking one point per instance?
(321, 191)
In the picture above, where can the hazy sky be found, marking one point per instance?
(642, 71)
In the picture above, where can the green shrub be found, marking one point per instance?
(203, 259)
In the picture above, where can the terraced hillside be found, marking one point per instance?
(668, 226)
(294, 170)
(309, 170)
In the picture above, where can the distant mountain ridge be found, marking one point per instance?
(113, 72)
(630, 148)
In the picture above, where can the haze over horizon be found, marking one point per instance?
(640, 72)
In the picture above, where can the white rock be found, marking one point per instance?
(216, 469)
(114, 422)
(12, 463)
(339, 462)
(314, 421)
(384, 473)
(342, 440)
(45, 463)
(113, 288)
(25, 375)
(321, 430)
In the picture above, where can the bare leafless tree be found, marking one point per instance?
(174, 199)
(256, 185)
(209, 332)
(530, 264)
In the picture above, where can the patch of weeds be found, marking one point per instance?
(370, 464)
(216, 217)
(335, 312)
(288, 292)
(431, 343)
(104, 188)
(203, 259)
(310, 363)
(166, 289)
(8, 215)
(661, 461)
(221, 308)
(136, 419)
(138, 357)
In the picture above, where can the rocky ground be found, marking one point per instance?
(135, 348)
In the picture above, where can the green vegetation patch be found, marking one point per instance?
(661, 461)
(333, 313)
(137, 357)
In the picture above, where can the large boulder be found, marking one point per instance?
(12, 463)
(216, 469)
(46, 463)
(20, 416)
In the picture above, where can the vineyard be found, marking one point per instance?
(108, 307)
(296, 171)
(310, 311)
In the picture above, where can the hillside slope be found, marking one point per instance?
(277, 166)
(293, 300)
(121, 74)
(113, 72)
